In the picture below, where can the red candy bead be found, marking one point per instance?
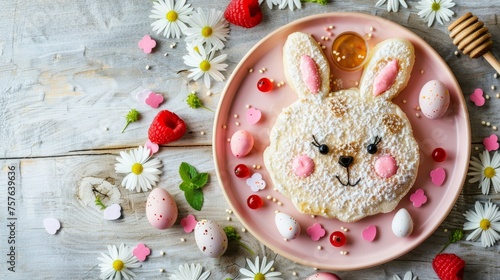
(241, 171)
(264, 85)
(255, 202)
(337, 238)
(439, 154)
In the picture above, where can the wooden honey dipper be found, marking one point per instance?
(471, 37)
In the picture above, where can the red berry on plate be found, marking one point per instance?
(439, 154)
(241, 171)
(264, 85)
(245, 13)
(166, 127)
(448, 267)
(338, 239)
(255, 202)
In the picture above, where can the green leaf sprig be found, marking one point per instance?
(192, 182)
(233, 236)
(98, 202)
(455, 235)
(195, 102)
(322, 2)
(132, 116)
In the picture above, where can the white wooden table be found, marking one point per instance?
(69, 71)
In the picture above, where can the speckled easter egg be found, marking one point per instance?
(241, 143)
(288, 227)
(323, 276)
(402, 223)
(434, 99)
(210, 238)
(161, 209)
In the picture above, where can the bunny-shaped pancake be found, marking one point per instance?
(347, 154)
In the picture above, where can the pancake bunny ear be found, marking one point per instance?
(388, 69)
(306, 67)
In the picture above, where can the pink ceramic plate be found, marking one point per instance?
(452, 132)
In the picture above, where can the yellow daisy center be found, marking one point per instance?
(259, 276)
(489, 172)
(137, 168)
(171, 16)
(206, 31)
(205, 65)
(484, 224)
(435, 6)
(118, 265)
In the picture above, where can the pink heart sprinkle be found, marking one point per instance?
(253, 115)
(316, 231)
(491, 143)
(154, 99)
(153, 147)
(438, 176)
(112, 212)
(51, 225)
(477, 97)
(370, 233)
(141, 252)
(147, 44)
(418, 198)
(189, 223)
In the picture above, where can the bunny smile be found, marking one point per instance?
(346, 161)
(348, 184)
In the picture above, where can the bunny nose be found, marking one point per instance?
(345, 161)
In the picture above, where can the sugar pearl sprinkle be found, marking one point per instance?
(243, 230)
(343, 253)
(237, 123)
(487, 97)
(294, 273)
(162, 270)
(320, 247)
(235, 116)
(183, 240)
(162, 253)
(202, 132)
(495, 75)
(147, 67)
(250, 70)
(493, 87)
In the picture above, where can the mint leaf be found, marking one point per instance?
(200, 180)
(194, 198)
(184, 172)
(185, 186)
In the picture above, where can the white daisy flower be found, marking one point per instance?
(408, 276)
(192, 272)
(392, 5)
(269, 3)
(435, 9)
(260, 271)
(171, 17)
(290, 3)
(209, 28)
(484, 222)
(205, 64)
(486, 171)
(118, 263)
(143, 173)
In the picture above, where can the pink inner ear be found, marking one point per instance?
(386, 78)
(309, 73)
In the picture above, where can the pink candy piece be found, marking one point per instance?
(147, 44)
(51, 225)
(303, 166)
(253, 115)
(189, 223)
(386, 166)
(491, 143)
(438, 176)
(154, 99)
(310, 74)
(418, 198)
(385, 79)
(141, 252)
(477, 97)
(370, 233)
(112, 212)
(153, 147)
(241, 143)
(316, 231)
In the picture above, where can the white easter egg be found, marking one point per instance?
(161, 209)
(288, 227)
(323, 276)
(434, 99)
(210, 238)
(402, 223)
(241, 143)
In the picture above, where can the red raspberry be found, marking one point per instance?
(166, 127)
(448, 267)
(245, 13)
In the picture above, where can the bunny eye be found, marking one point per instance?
(323, 149)
(372, 148)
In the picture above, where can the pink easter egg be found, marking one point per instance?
(161, 209)
(241, 143)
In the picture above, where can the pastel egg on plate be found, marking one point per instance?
(287, 226)
(434, 99)
(210, 238)
(323, 276)
(241, 143)
(161, 209)
(402, 223)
